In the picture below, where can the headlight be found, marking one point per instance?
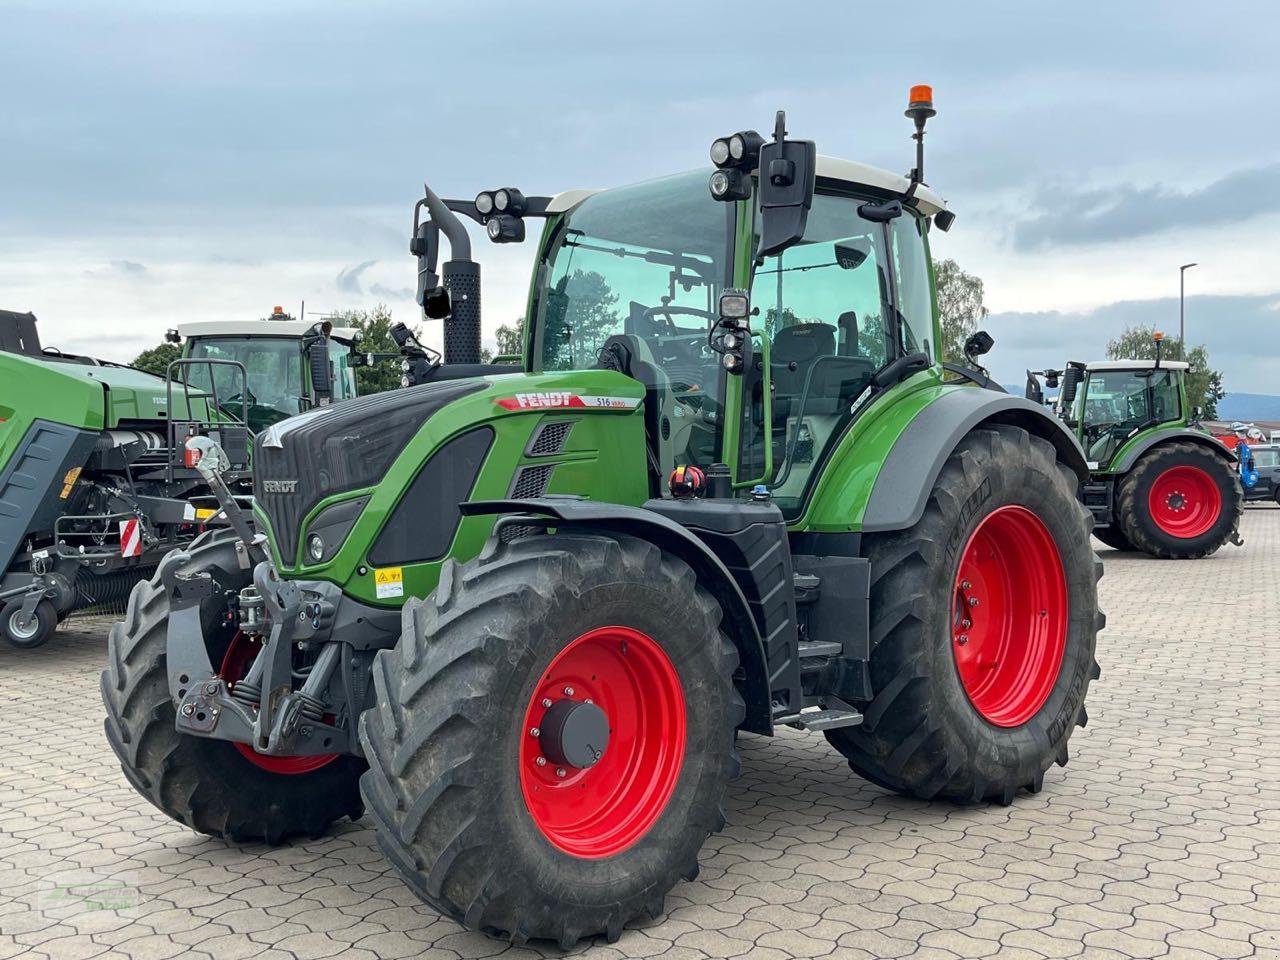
(501, 200)
(484, 203)
(730, 184)
(737, 147)
(720, 152)
(315, 547)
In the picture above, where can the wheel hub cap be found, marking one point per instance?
(1185, 502)
(602, 743)
(1009, 620)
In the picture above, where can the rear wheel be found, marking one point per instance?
(216, 787)
(553, 736)
(984, 620)
(35, 632)
(1180, 501)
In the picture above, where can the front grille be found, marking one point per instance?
(300, 461)
(531, 481)
(549, 438)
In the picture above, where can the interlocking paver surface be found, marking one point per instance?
(1161, 838)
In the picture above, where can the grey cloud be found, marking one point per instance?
(1240, 333)
(392, 293)
(1073, 216)
(348, 279)
(130, 268)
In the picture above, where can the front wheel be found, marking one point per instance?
(1180, 501)
(216, 787)
(984, 617)
(35, 632)
(553, 736)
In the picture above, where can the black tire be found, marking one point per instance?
(443, 743)
(1114, 538)
(39, 628)
(206, 784)
(1133, 511)
(922, 736)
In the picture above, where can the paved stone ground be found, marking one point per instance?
(1160, 839)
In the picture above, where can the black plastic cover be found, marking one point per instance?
(423, 523)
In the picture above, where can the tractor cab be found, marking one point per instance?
(289, 366)
(1118, 399)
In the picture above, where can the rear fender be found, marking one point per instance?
(671, 537)
(906, 478)
(1136, 448)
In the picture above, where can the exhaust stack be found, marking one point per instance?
(461, 276)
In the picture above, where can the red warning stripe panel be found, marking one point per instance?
(130, 539)
(563, 399)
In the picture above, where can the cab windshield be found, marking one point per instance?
(273, 367)
(639, 271)
(1115, 404)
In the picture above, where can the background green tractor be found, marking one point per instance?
(521, 617)
(1157, 482)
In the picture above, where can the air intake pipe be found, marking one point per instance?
(462, 282)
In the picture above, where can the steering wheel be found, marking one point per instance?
(669, 311)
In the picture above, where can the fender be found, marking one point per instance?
(904, 482)
(1126, 463)
(672, 537)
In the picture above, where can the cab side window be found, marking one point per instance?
(824, 306)
(914, 286)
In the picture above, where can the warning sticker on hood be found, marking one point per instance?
(388, 582)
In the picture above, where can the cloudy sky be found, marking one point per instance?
(178, 160)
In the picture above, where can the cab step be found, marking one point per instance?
(819, 648)
(822, 719)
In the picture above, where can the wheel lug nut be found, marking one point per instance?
(188, 709)
(546, 702)
(967, 623)
(973, 601)
(541, 761)
(588, 700)
(962, 639)
(965, 585)
(568, 691)
(559, 771)
(535, 732)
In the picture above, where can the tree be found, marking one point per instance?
(580, 317)
(1204, 384)
(157, 359)
(510, 338)
(375, 337)
(960, 307)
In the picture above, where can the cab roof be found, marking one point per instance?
(260, 328)
(831, 168)
(1137, 365)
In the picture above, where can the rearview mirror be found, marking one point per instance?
(321, 376)
(978, 344)
(788, 172)
(436, 304)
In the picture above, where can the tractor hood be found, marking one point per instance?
(330, 450)
(104, 395)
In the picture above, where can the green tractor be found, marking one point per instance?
(1158, 483)
(522, 617)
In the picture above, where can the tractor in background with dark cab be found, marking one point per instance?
(520, 617)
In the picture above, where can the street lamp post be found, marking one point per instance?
(1182, 307)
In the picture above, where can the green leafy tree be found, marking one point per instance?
(580, 317)
(510, 338)
(1204, 384)
(157, 359)
(960, 307)
(375, 337)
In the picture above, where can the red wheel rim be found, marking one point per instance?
(1009, 629)
(235, 664)
(602, 809)
(1185, 502)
